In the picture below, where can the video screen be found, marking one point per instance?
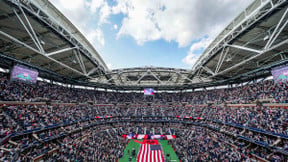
(25, 74)
(280, 74)
(149, 91)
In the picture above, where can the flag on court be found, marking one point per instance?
(142, 136)
(170, 137)
(150, 153)
(145, 136)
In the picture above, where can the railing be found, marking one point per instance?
(282, 105)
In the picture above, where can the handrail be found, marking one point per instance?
(283, 105)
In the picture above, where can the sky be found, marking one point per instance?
(158, 33)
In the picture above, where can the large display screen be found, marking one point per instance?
(280, 74)
(148, 91)
(23, 73)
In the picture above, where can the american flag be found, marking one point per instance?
(148, 91)
(150, 153)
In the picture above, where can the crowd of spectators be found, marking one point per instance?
(198, 144)
(18, 91)
(265, 118)
(99, 143)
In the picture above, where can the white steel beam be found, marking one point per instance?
(141, 77)
(156, 77)
(80, 61)
(120, 78)
(251, 58)
(60, 51)
(244, 48)
(42, 53)
(178, 76)
(27, 30)
(208, 70)
(246, 22)
(18, 41)
(32, 30)
(221, 59)
(276, 32)
(76, 39)
(185, 76)
(92, 71)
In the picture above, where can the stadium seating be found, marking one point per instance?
(52, 122)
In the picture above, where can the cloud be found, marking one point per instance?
(76, 12)
(96, 36)
(195, 50)
(101, 8)
(181, 21)
(115, 26)
(81, 13)
(95, 5)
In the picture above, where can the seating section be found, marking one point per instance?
(54, 122)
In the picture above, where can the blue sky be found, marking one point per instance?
(159, 33)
